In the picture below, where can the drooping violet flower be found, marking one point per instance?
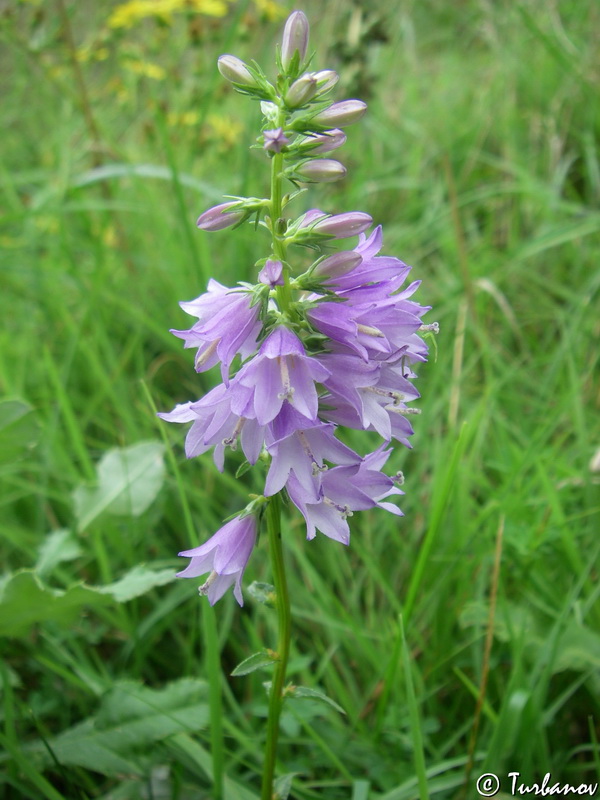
(299, 446)
(345, 490)
(216, 425)
(225, 555)
(280, 372)
(227, 324)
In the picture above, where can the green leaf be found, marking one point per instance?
(58, 547)
(130, 719)
(243, 469)
(256, 661)
(25, 602)
(136, 582)
(304, 693)
(129, 480)
(263, 593)
(19, 430)
(578, 649)
(283, 786)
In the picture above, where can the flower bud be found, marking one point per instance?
(301, 91)
(218, 217)
(275, 140)
(341, 114)
(272, 273)
(234, 70)
(337, 264)
(295, 37)
(321, 170)
(326, 79)
(323, 142)
(341, 226)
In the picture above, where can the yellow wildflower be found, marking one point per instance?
(128, 14)
(146, 69)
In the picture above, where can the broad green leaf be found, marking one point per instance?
(130, 719)
(578, 649)
(256, 661)
(57, 547)
(129, 480)
(25, 601)
(304, 693)
(138, 581)
(19, 429)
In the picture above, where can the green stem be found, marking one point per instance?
(282, 601)
(279, 245)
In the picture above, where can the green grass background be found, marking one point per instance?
(479, 155)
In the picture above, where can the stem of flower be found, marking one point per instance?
(277, 223)
(283, 645)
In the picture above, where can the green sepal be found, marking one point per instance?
(256, 661)
(243, 469)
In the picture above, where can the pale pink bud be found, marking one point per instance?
(295, 37)
(301, 91)
(218, 217)
(272, 273)
(233, 69)
(342, 225)
(321, 170)
(337, 264)
(326, 79)
(324, 142)
(341, 114)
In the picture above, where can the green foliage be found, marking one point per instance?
(479, 154)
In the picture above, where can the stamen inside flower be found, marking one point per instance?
(316, 467)
(397, 397)
(203, 590)
(344, 511)
(202, 358)
(434, 327)
(370, 331)
(403, 411)
(288, 389)
(231, 441)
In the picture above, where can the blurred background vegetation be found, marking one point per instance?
(479, 155)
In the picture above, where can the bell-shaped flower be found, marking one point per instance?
(299, 447)
(225, 556)
(216, 425)
(227, 324)
(376, 391)
(281, 371)
(345, 489)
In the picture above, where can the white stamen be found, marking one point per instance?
(207, 584)
(202, 358)
(397, 397)
(344, 511)
(316, 467)
(231, 441)
(403, 411)
(370, 331)
(288, 389)
(434, 327)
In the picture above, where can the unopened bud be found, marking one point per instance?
(295, 37)
(341, 226)
(275, 140)
(324, 142)
(321, 170)
(233, 69)
(272, 273)
(218, 217)
(337, 264)
(301, 91)
(341, 114)
(326, 79)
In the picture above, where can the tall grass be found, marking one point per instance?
(480, 157)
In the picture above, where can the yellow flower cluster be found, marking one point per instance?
(146, 69)
(128, 14)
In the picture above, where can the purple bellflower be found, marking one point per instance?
(225, 556)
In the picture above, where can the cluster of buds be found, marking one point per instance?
(327, 348)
